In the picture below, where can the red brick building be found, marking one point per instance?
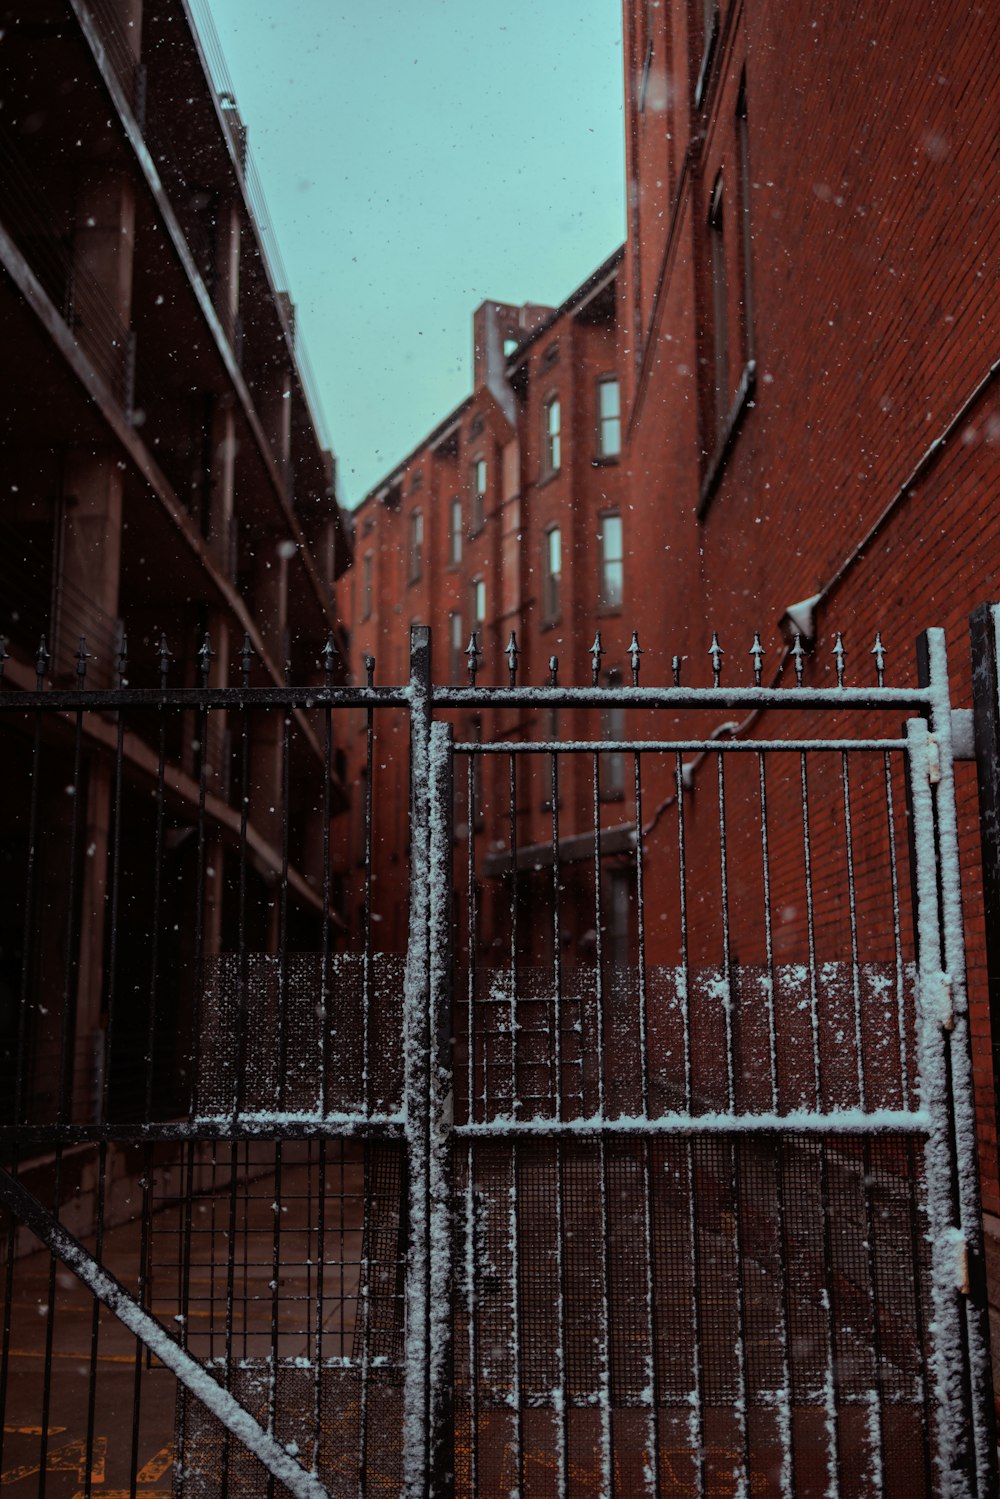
(809, 299)
(509, 518)
(796, 352)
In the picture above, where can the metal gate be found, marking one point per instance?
(649, 1169)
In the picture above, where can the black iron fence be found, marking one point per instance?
(639, 1164)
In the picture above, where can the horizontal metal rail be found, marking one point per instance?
(676, 746)
(841, 1121)
(234, 698)
(243, 1127)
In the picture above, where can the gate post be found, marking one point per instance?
(428, 1448)
(957, 1057)
(984, 628)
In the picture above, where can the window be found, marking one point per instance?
(551, 575)
(455, 531)
(609, 425)
(478, 602)
(478, 516)
(455, 646)
(609, 536)
(720, 297)
(416, 544)
(551, 436)
(743, 157)
(367, 568)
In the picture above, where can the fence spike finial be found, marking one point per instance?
(716, 652)
(840, 655)
(82, 657)
(878, 651)
(164, 655)
(121, 660)
(205, 658)
(473, 653)
(634, 652)
(757, 652)
(675, 667)
(3, 654)
(596, 652)
(553, 671)
(330, 655)
(369, 671)
(42, 659)
(246, 656)
(512, 655)
(798, 657)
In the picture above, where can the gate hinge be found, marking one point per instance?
(933, 759)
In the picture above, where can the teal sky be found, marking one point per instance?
(419, 156)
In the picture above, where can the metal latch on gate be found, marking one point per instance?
(933, 759)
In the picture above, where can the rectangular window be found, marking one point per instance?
(456, 647)
(609, 536)
(367, 569)
(720, 299)
(416, 544)
(743, 156)
(552, 436)
(455, 532)
(477, 518)
(551, 575)
(609, 424)
(478, 601)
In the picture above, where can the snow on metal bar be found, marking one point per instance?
(799, 1121)
(946, 1352)
(682, 697)
(192, 1374)
(682, 746)
(958, 1045)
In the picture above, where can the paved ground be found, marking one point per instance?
(66, 1453)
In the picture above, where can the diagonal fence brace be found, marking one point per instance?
(112, 1294)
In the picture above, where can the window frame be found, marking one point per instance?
(551, 581)
(367, 580)
(416, 546)
(477, 506)
(455, 526)
(603, 455)
(551, 439)
(608, 603)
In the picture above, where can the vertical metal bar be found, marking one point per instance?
(604, 1322)
(787, 1472)
(831, 1391)
(556, 1075)
(876, 1425)
(958, 1045)
(274, 1372)
(555, 1044)
(102, 1151)
(366, 988)
(513, 1223)
(727, 962)
(323, 1105)
(19, 1062)
(64, 1107)
(416, 1051)
(948, 1353)
(696, 1422)
(440, 1412)
(471, 1257)
(652, 1466)
(984, 627)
